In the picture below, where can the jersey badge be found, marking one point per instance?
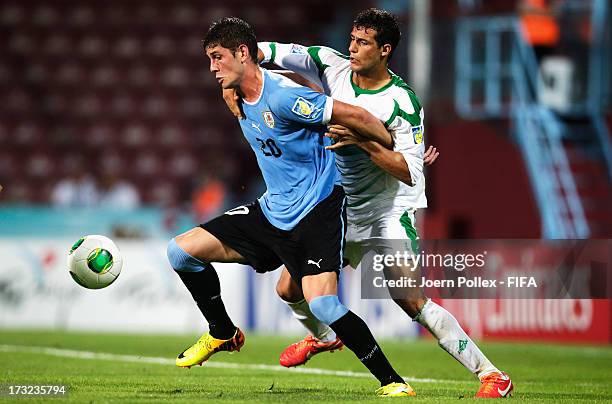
(417, 134)
(268, 119)
(303, 108)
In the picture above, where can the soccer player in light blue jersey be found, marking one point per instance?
(300, 221)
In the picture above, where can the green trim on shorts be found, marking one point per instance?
(410, 231)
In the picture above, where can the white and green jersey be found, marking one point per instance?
(372, 193)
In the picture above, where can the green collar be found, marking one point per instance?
(358, 90)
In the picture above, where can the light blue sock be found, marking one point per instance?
(181, 261)
(327, 309)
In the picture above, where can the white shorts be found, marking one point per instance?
(387, 235)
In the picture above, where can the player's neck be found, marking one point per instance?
(372, 80)
(252, 83)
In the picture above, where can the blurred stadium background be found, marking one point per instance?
(111, 123)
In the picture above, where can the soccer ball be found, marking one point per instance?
(94, 262)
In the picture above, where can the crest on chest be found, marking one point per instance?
(268, 119)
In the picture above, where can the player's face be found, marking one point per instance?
(364, 52)
(225, 65)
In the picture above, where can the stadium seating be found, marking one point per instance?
(125, 85)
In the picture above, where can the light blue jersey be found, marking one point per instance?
(285, 128)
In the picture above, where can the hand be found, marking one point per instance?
(342, 136)
(233, 101)
(430, 156)
(337, 132)
(345, 141)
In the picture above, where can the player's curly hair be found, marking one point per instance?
(230, 33)
(385, 24)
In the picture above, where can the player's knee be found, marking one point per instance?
(411, 306)
(327, 309)
(181, 261)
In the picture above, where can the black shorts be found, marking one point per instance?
(314, 246)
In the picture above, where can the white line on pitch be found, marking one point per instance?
(69, 353)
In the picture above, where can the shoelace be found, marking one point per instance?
(382, 389)
(305, 341)
(205, 341)
(489, 383)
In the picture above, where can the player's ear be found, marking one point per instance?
(243, 53)
(386, 50)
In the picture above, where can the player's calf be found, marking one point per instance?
(288, 289)
(356, 335)
(202, 281)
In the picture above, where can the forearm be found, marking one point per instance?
(390, 161)
(293, 76)
(374, 130)
(362, 122)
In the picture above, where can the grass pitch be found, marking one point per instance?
(139, 368)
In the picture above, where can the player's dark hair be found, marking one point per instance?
(385, 24)
(230, 33)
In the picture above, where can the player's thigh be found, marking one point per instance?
(366, 238)
(248, 232)
(323, 284)
(400, 232)
(287, 288)
(202, 245)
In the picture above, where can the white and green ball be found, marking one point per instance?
(94, 262)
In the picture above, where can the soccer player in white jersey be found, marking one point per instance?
(384, 187)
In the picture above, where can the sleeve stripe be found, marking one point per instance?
(414, 118)
(313, 51)
(273, 49)
(396, 110)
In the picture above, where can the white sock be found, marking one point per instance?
(453, 339)
(301, 311)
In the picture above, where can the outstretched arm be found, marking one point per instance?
(362, 122)
(309, 62)
(299, 79)
(391, 161)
